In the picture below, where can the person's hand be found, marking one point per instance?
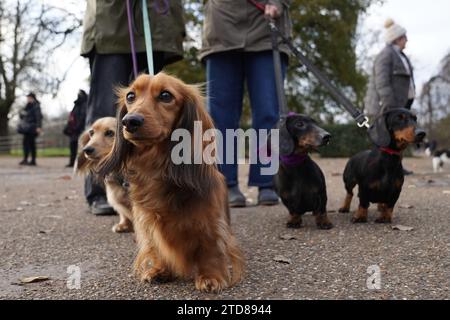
(272, 11)
(39, 130)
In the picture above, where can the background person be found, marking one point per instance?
(106, 42)
(392, 81)
(237, 49)
(30, 126)
(76, 124)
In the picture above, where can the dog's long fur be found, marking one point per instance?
(379, 172)
(180, 212)
(100, 137)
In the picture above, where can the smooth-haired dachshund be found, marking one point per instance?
(379, 172)
(300, 182)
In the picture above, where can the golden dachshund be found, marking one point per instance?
(95, 144)
(181, 216)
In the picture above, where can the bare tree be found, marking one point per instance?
(29, 33)
(435, 98)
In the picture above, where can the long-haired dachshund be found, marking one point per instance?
(95, 144)
(379, 172)
(181, 216)
(300, 182)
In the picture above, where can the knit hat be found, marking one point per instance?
(393, 31)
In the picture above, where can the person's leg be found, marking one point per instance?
(225, 87)
(107, 71)
(33, 149)
(264, 104)
(26, 149)
(73, 151)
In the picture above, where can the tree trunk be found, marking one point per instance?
(5, 145)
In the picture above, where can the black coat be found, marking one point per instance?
(30, 118)
(77, 119)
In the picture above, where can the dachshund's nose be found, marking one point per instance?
(326, 139)
(89, 150)
(420, 135)
(132, 122)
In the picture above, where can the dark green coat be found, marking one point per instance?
(106, 27)
(238, 25)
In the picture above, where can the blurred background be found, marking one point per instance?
(40, 45)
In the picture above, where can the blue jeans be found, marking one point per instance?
(226, 74)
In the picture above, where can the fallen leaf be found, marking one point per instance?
(336, 174)
(288, 237)
(282, 259)
(34, 279)
(19, 209)
(65, 178)
(402, 228)
(406, 206)
(446, 192)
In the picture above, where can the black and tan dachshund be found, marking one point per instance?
(379, 172)
(300, 182)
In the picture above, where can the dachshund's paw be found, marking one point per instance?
(122, 228)
(210, 284)
(155, 275)
(359, 220)
(295, 222)
(325, 226)
(294, 225)
(384, 220)
(344, 210)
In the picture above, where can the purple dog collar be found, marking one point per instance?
(294, 160)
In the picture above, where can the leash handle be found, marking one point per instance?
(148, 38)
(132, 44)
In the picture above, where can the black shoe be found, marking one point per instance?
(101, 207)
(23, 163)
(407, 173)
(235, 198)
(70, 165)
(32, 163)
(267, 197)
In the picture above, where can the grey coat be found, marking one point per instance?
(389, 84)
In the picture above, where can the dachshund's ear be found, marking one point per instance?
(287, 142)
(82, 162)
(379, 133)
(116, 159)
(191, 177)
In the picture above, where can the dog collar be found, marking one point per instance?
(294, 160)
(390, 151)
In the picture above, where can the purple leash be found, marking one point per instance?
(133, 47)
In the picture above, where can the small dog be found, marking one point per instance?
(440, 156)
(95, 144)
(300, 182)
(181, 216)
(379, 172)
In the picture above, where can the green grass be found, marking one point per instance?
(47, 152)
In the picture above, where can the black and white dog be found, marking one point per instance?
(440, 156)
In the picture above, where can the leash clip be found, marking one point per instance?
(364, 123)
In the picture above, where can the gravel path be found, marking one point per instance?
(45, 228)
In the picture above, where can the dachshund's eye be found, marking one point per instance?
(300, 124)
(165, 96)
(91, 133)
(131, 96)
(109, 133)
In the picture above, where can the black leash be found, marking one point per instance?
(361, 119)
